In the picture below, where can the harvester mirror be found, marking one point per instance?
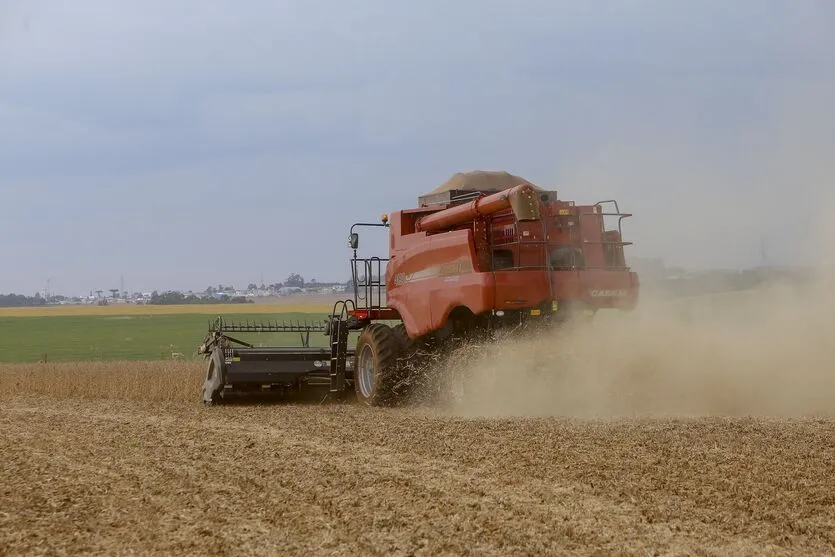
(354, 240)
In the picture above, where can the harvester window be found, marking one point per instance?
(567, 257)
(502, 259)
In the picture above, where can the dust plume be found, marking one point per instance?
(768, 350)
(764, 351)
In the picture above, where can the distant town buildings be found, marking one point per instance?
(655, 277)
(219, 293)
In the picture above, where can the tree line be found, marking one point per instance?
(21, 301)
(212, 295)
(157, 298)
(172, 298)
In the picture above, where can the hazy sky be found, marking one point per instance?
(183, 144)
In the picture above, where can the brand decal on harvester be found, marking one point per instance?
(608, 293)
(452, 268)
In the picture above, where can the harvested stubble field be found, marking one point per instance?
(689, 436)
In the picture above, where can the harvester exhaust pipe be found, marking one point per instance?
(522, 199)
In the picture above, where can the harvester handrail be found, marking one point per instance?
(613, 201)
(364, 290)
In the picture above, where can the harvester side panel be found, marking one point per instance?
(519, 289)
(430, 278)
(591, 229)
(597, 288)
(530, 245)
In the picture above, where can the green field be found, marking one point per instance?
(134, 336)
(92, 333)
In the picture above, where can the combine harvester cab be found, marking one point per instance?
(465, 262)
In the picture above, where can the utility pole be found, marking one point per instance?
(763, 253)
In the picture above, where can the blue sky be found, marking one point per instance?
(183, 144)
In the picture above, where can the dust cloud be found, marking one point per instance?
(767, 351)
(764, 352)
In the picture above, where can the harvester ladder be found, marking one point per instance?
(339, 350)
(339, 346)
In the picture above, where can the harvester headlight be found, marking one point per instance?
(384, 217)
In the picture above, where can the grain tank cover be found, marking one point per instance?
(465, 186)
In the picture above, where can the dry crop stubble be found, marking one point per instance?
(118, 458)
(114, 458)
(116, 476)
(162, 381)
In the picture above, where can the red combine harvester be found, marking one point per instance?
(463, 263)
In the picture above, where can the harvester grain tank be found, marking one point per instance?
(463, 263)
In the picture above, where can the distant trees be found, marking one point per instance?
(213, 294)
(294, 279)
(172, 298)
(20, 300)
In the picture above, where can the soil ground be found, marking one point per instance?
(703, 431)
(121, 475)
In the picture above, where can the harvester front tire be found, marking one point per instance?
(215, 379)
(377, 375)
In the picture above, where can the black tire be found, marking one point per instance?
(414, 362)
(215, 378)
(409, 346)
(377, 374)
